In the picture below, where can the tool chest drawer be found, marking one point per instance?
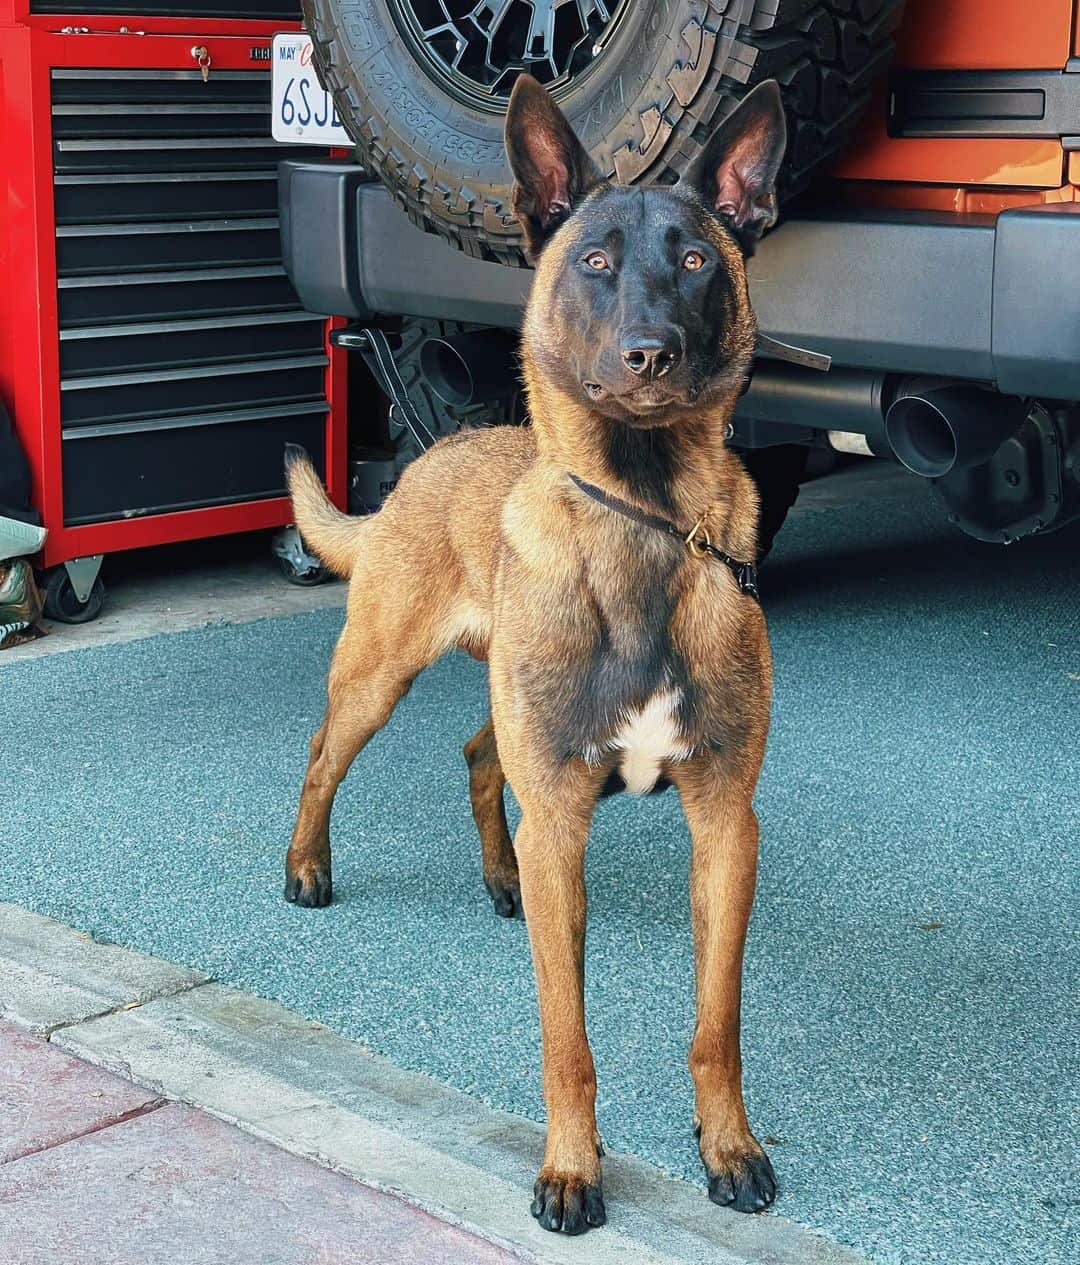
(159, 466)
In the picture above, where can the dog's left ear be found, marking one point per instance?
(736, 171)
(552, 169)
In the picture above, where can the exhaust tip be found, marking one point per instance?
(921, 436)
(945, 428)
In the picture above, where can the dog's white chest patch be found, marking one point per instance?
(647, 739)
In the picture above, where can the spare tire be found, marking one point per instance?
(422, 85)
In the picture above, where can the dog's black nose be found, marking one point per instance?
(651, 355)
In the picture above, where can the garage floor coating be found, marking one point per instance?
(911, 1030)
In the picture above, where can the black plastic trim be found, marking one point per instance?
(1035, 336)
(317, 207)
(984, 298)
(935, 103)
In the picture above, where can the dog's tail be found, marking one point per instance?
(332, 535)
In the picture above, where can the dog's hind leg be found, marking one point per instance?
(486, 782)
(377, 656)
(358, 708)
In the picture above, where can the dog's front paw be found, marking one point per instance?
(741, 1179)
(311, 888)
(564, 1202)
(506, 897)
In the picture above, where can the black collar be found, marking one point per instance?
(696, 539)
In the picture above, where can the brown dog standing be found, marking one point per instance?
(620, 654)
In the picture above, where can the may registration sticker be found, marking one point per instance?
(302, 111)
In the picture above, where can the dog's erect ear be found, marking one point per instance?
(736, 171)
(552, 169)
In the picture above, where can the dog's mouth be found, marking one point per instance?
(644, 399)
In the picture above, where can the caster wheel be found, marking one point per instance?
(62, 604)
(305, 579)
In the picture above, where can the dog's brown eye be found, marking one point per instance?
(597, 260)
(692, 261)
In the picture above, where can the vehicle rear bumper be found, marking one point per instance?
(987, 298)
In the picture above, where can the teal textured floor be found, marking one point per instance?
(911, 978)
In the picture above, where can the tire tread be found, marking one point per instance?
(824, 53)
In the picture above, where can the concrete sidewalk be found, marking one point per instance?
(94, 1169)
(172, 1119)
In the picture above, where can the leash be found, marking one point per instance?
(373, 345)
(696, 539)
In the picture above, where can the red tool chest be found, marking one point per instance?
(153, 354)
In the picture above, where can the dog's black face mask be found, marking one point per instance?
(640, 307)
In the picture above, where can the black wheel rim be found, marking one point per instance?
(477, 48)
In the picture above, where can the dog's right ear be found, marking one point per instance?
(552, 169)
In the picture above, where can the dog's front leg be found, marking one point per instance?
(550, 846)
(723, 870)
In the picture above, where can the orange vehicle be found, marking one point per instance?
(927, 251)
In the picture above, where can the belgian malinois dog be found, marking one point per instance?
(599, 560)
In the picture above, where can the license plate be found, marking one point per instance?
(302, 111)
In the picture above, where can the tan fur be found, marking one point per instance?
(487, 545)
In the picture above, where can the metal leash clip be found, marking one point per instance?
(691, 540)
